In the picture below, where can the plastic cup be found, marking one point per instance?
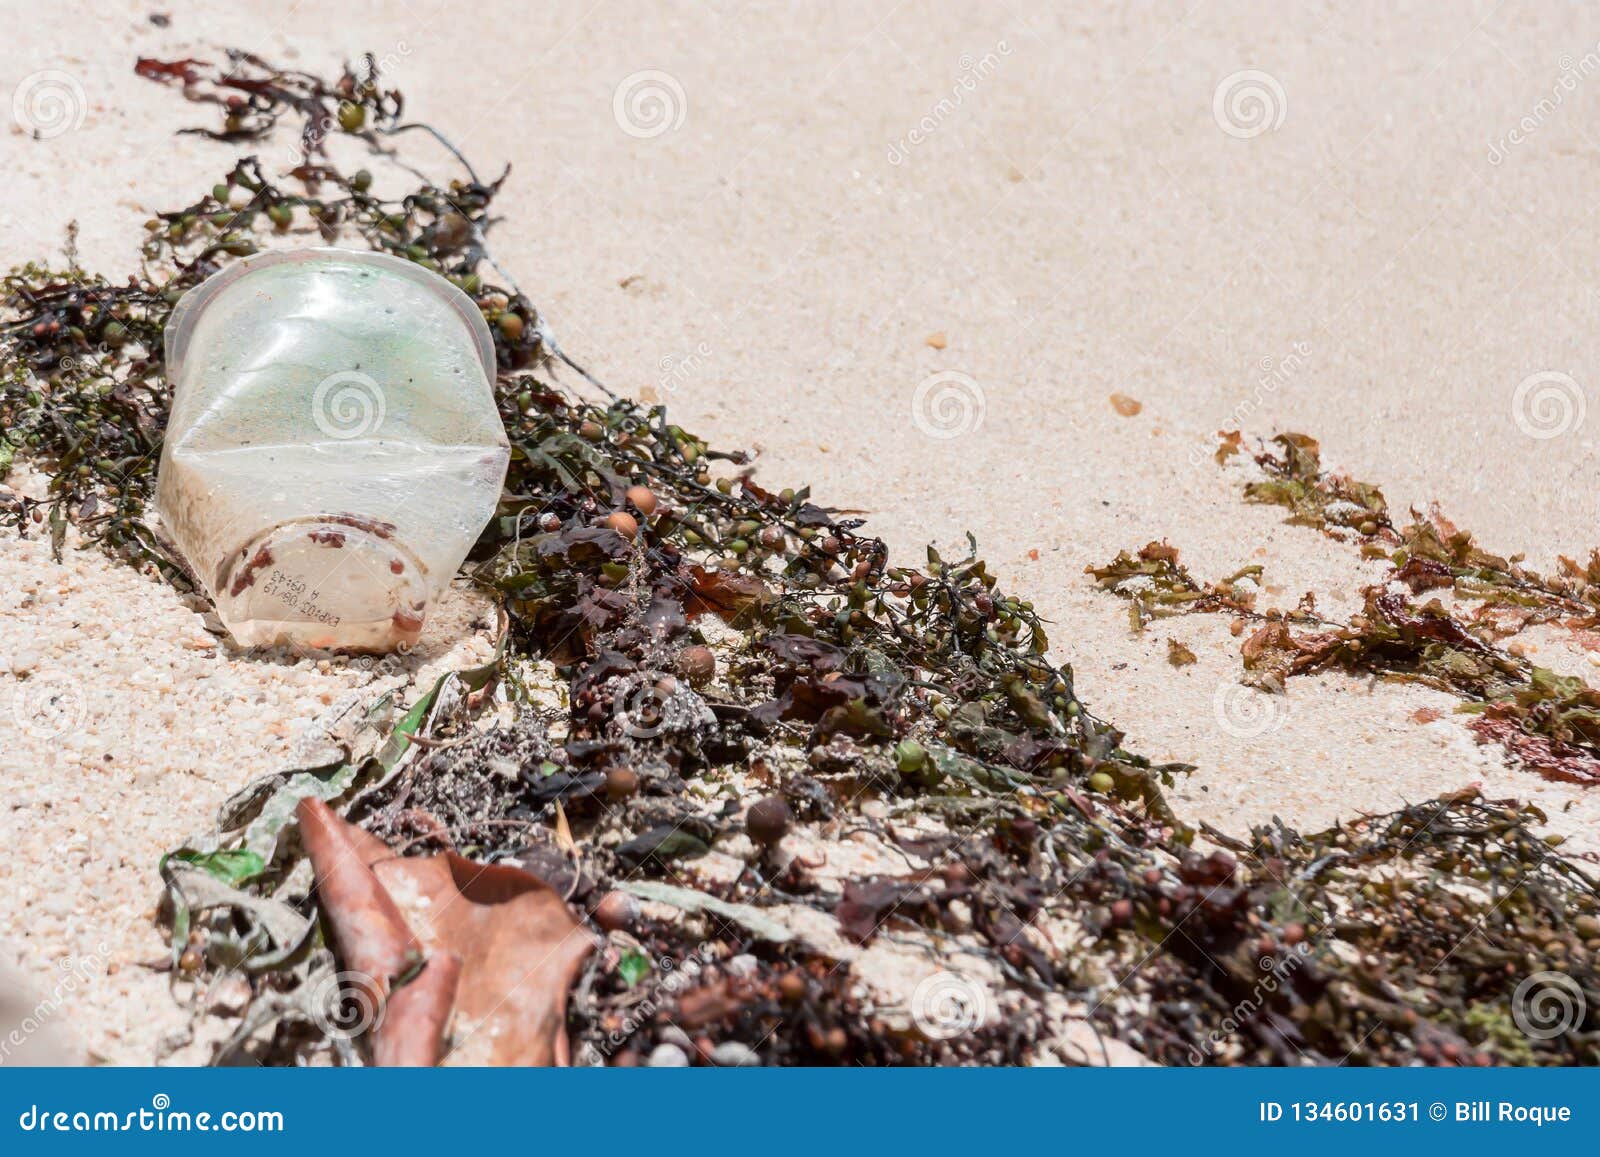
(334, 447)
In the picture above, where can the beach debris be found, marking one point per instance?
(1429, 552)
(308, 560)
(1126, 406)
(950, 798)
(509, 947)
(261, 933)
(1295, 480)
(417, 1015)
(1158, 586)
(374, 945)
(1545, 721)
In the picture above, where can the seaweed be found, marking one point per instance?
(1544, 721)
(1429, 552)
(1158, 586)
(1295, 480)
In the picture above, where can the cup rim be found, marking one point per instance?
(185, 314)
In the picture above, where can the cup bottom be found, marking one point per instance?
(332, 582)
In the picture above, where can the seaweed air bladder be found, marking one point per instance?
(334, 447)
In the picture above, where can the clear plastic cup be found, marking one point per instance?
(334, 448)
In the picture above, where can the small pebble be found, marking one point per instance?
(668, 1057)
(767, 820)
(673, 1035)
(623, 523)
(621, 782)
(698, 665)
(617, 911)
(734, 1055)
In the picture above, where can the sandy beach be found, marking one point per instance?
(909, 251)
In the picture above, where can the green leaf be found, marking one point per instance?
(233, 866)
(633, 967)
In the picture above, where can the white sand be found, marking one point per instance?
(1079, 224)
